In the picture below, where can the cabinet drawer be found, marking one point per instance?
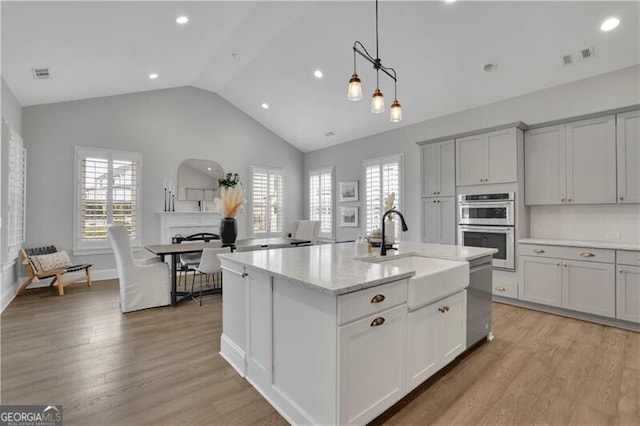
(505, 289)
(539, 250)
(625, 257)
(588, 254)
(361, 303)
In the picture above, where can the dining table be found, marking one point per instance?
(175, 250)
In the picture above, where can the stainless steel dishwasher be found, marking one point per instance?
(479, 295)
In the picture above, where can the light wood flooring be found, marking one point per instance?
(161, 366)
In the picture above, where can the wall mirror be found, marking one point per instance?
(198, 180)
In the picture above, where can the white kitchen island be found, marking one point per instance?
(330, 339)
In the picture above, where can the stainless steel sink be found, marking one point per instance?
(434, 278)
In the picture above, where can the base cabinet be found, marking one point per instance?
(628, 293)
(552, 275)
(371, 357)
(437, 334)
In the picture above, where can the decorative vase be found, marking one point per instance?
(228, 230)
(389, 233)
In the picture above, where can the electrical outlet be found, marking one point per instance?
(613, 235)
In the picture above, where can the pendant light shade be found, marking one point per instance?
(377, 102)
(354, 91)
(396, 111)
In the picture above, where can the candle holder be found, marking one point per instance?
(165, 200)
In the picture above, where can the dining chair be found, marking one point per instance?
(144, 283)
(188, 261)
(209, 266)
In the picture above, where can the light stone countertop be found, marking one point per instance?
(615, 245)
(333, 268)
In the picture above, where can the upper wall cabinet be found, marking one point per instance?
(487, 158)
(438, 169)
(628, 127)
(573, 163)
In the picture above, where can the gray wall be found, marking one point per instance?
(12, 114)
(607, 91)
(167, 127)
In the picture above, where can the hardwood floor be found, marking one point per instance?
(161, 366)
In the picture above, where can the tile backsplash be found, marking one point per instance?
(593, 222)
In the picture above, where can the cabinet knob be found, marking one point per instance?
(565, 265)
(434, 192)
(438, 192)
(378, 298)
(441, 310)
(244, 275)
(620, 270)
(562, 199)
(587, 254)
(501, 289)
(446, 308)
(558, 264)
(434, 201)
(376, 322)
(621, 198)
(569, 199)
(538, 251)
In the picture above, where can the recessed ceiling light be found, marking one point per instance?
(209, 168)
(317, 74)
(610, 24)
(153, 76)
(449, 1)
(265, 106)
(490, 67)
(182, 20)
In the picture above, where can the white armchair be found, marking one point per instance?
(144, 283)
(306, 230)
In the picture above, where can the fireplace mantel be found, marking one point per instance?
(186, 223)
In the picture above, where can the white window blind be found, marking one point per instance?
(108, 191)
(382, 177)
(321, 200)
(267, 206)
(16, 188)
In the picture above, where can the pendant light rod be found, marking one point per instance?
(377, 63)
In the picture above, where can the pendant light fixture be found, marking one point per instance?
(354, 90)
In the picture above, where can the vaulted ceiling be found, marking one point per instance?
(255, 52)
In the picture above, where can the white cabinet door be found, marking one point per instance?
(439, 220)
(471, 162)
(591, 161)
(628, 128)
(436, 336)
(544, 166)
(589, 287)
(371, 353)
(447, 169)
(541, 280)
(448, 220)
(453, 327)
(233, 342)
(430, 220)
(438, 169)
(628, 293)
(502, 159)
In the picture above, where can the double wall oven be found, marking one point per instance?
(488, 220)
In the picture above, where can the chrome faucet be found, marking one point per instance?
(383, 246)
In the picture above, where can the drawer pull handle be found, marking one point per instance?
(538, 251)
(501, 289)
(378, 298)
(244, 275)
(376, 322)
(441, 310)
(587, 254)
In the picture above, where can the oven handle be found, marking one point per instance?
(498, 204)
(494, 229)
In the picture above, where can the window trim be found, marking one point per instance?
(81, 247)
(319, 171)
(269, 171)
(399, 158)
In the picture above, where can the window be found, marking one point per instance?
(382, 176)
(16, 185)
(321, 199)
(107, 191)
(267, 206)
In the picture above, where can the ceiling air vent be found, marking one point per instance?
(329, 134)
(587, 53)
(40, 73)
(567, 59)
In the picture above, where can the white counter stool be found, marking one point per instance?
(209, 266)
